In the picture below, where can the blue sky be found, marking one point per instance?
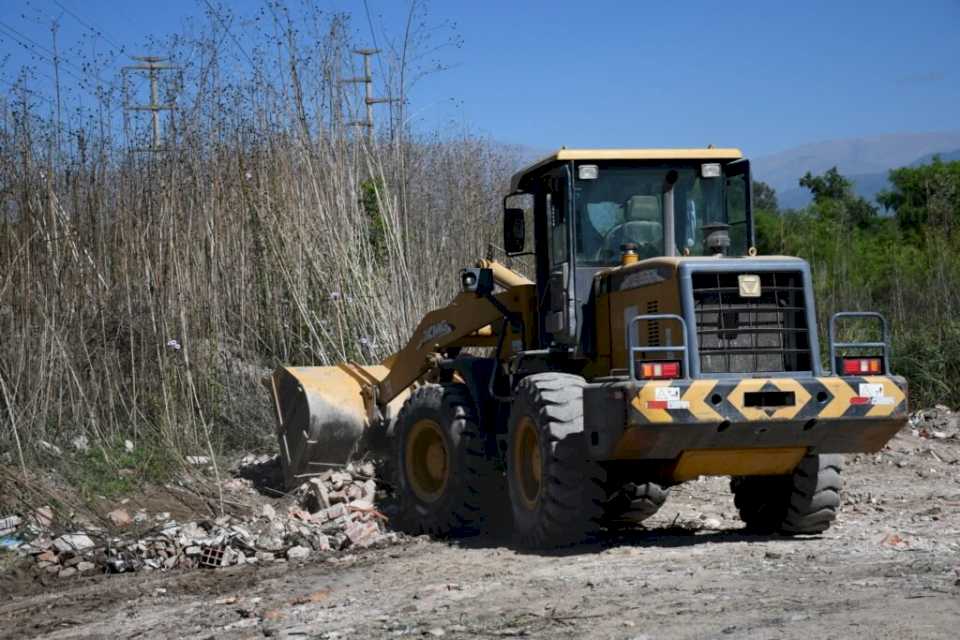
(764, 76)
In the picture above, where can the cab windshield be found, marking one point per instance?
(624, 203)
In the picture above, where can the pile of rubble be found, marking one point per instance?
(331, 512)
(939, 423)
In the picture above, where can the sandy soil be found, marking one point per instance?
(889, 568)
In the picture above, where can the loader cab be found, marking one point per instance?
(588, 206)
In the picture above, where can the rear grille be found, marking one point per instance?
(740, 335)
(653, 327)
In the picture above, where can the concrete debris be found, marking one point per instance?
(73, 542)
(297, 553)
(238, 485)
(120, 518)
(333, 512)
(362, 534)
(47, 556)
(43, 517)
(85, 567)
(198, 461)
(214, 557)
(939, 423)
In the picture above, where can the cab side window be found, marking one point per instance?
(736, 205)
(557, 214)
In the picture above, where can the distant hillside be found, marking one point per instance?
(866, 161)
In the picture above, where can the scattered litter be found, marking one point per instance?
(50, 448)
(10, 543)
(938, 423)
(9, 524)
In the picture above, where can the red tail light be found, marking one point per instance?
(659, 370)
(858, 366)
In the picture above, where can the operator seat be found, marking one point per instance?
(643, 225)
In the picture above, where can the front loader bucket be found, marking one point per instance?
(321, 415)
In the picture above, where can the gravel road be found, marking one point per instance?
(889, 568)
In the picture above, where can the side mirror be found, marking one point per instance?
(514, 231)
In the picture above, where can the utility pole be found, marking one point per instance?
(56, 75)
(367, 80)
(152, 65)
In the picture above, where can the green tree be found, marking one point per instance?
(928, 195)
(370, 191)
(834, 199)
(829, 186)
(764, 197)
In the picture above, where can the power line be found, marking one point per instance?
(33, 44)
(53, 60)
(99, 32)
(226, 28)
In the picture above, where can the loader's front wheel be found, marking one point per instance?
(556, 494)
(444, 468)
(804, 502)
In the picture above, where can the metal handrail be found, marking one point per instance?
(631, 349)
(884, 330)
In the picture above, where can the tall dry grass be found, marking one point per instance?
(143, 294)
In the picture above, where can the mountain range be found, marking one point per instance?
(865, 161)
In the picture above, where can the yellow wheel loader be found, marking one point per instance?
(654, 347)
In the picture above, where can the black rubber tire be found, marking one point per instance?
(569, 505)
(805, 502)
(633, 502)
(472, 475)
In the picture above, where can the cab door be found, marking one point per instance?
(558, 300)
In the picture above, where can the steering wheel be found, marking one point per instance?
(606, 251)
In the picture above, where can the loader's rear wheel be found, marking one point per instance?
(444, 468)
(805, 502)
(633, 503)
(556, 494)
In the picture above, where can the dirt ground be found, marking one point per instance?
(889, 568)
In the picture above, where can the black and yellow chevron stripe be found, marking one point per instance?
(721, 400)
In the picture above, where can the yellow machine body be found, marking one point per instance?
(741, 422)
